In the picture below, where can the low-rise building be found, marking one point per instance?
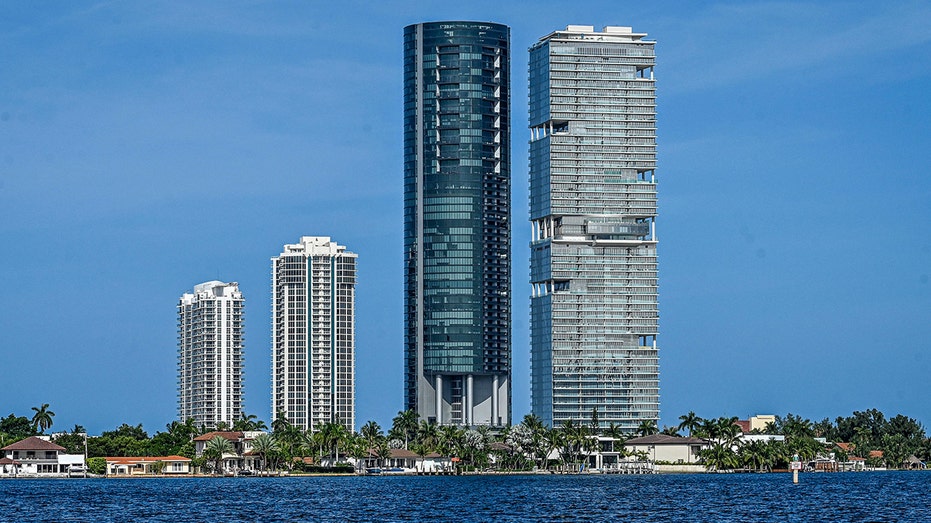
(148, 465)
(37, 456)
(241, 458)
(665, 448)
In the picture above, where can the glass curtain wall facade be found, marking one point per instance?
(594, 316)
(457, 197)
(313, 334)
(210, 354)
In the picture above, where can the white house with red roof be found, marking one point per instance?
(37, 456)
(147, 465)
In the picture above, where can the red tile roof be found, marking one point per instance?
(232, 436)
(127, 460)
(34, 443)
(8, 461)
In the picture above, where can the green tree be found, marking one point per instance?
(157, 467)
(263, 446)
(42, 419)
(97, 466)
(372, 434)
(249, 423)
(14, 428)
(215, 450)
(719, 457)
(73, 441)
(332, 437)
(450, 440)
(475, 447)
(615, 431)
(554, 439)
(405, 424)
(428, 436)
(689, 422)
(647, 427)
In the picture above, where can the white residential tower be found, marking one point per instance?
(210, 354)
(313, 334)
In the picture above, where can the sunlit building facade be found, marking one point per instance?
(594, 315)
(457, 258)
(210, 354)
(313, 334)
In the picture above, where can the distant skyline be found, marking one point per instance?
(146, 148)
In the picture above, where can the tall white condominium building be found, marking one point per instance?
(594, 316)
(313, 334)
(210, 344)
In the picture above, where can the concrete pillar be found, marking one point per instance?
(469, 401)
(438, 385)
(494, 400)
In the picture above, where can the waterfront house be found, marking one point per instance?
(241, 458)
(37, 456)
(9, 467)
(402, 460)
(670, 449)
(146, 465)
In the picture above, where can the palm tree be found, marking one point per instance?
(42, 418)
(371, 432)
(358, 449)
(406, 423)
(575, 439)
(338, 436)
(264, 445)
(554, 439)
(450, 440)
(754, 454)
(428, 436)
(689, 422)
(614, 431)
(718, 457)
(647, 427)
(249, 423)
(728, 431)
(215, 449)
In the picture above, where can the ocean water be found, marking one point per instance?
(843, 497)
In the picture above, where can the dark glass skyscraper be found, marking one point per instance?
(457, 222)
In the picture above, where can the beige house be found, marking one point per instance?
(665, 448)
(241, 458)
(147, 465)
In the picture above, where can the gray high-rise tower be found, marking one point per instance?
(457, 338)
(594, 316)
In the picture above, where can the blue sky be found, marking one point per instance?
(147, 147)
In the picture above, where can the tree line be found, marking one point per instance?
(897, 439)
(523, 446)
